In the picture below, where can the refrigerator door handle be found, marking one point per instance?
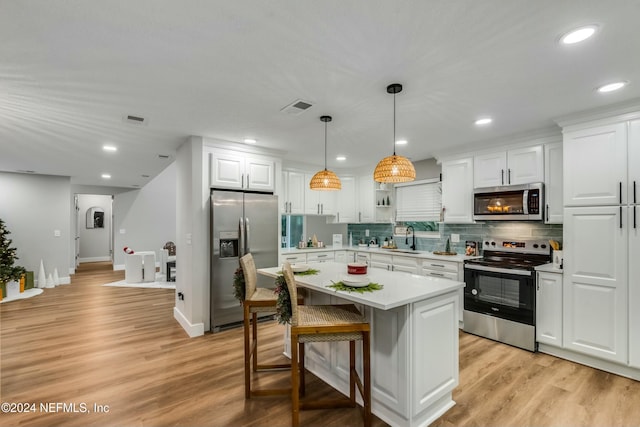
(241, 251)
(246, 236)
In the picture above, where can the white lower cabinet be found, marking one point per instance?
(383, 261)
(293, 258)
(363, 257)
(341, 256)
(406, 264)
(549, 308)
(320, 256)
(595, 294)
(451, 270)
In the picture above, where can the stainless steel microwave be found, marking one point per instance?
(509, 203)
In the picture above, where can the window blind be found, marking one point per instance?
(419, 201)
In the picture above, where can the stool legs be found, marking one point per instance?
(295, 381)
(247, 355)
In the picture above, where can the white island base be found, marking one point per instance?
(414, 344)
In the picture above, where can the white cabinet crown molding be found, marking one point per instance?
(600, 116)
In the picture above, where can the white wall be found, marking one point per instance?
(192, 253)
(34, 207)
(95, 243)
(145, 218)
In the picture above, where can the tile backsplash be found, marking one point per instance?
(473, 232)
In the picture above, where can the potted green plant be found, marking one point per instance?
(9, 272)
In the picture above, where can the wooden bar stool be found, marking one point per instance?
(257, 300)
(322, 323)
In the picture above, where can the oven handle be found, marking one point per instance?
(498, 270)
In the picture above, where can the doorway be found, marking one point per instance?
(94, 228)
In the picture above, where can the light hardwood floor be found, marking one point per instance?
(84, 343)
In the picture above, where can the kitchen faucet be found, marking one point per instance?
(406, 237)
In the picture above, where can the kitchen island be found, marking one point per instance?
(414, 341)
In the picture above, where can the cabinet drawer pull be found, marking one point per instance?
(322, 256)
(437, 265)
(432, 273)
(292, 257)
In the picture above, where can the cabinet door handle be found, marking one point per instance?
(242, 181)
(509, 176)
(359, 216)
(338, 215)
(547, 212)
(634, 216)
(502, 176)
(289, 207)
(620, 216)
(322, 208)
(247, 180)
(620, 191)
(634, 192)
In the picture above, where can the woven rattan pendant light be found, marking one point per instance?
(325, 180)
(394, 168)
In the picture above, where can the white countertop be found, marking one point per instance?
(400, 288)
(416, 254)
(549, 268)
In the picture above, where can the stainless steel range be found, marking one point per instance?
(500, 292)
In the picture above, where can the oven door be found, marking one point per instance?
(500, 292)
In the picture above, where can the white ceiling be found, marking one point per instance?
(71, 70)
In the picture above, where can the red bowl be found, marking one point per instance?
(357, 268)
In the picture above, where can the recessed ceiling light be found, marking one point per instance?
(579, 34)
(341, 158)
(106, 176)
(611, 87)
(250, 141)
(401, 142)
(110, 148)
(484, 121)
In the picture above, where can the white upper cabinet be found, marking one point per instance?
(346, 200)
(553, 184)
(634, 163)
(595, 166)
(318, 202)
(294, 185)
(238, 171)
(457, 190)
(512, 167)
(366, 199)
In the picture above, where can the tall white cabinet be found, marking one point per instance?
(553, 184)
(601, 296)
(457, 190)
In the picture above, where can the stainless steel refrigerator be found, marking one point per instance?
(240, 223)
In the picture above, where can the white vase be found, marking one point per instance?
(50, 281)
(56, 278)
(42, 277)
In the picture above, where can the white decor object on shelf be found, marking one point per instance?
(56, 277)
(50, 283)
(42, 277)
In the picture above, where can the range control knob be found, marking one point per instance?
(493, 243)
(474, 291)
(543, 246)
(535, 245)
(486, 243)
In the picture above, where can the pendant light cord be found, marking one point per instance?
(394, 124)
(325, 145)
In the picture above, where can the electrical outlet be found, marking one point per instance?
(455, 238)
(366, 232)
(56, 233)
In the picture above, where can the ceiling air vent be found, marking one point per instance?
(296, 107)
(135, 120)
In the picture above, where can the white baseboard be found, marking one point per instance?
(193, 330)
(94, 259)
(117, 267)
(66, 280)
(594, 362)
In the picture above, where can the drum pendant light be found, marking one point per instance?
(325, 180)
(394, 168)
